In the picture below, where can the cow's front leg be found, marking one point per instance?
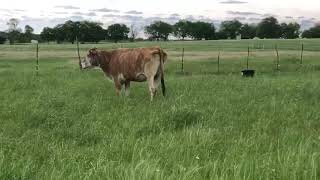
(118, 87)
(127, 88)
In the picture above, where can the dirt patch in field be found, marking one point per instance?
(205, 55)
(42, 54)
(173, 55)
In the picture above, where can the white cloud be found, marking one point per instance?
(233, 2)
(85, 14)
(67, 7)
(51, 12)
(134, 12)
(105, 10)
(240, 13)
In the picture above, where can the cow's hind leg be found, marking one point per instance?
(157, 81)
(151, 70)
(151, 87)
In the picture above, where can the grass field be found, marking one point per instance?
(68, 124)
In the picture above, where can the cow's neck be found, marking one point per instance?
(104, 60)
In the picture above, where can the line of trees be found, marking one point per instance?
(69, 31)
(87, 31)
(15, 34)
(267, 28)
(312, 32)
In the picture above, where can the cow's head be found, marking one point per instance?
(92, 59)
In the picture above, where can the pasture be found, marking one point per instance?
(69, 124)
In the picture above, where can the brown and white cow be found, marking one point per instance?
(125, 65)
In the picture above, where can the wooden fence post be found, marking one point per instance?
(302, 49)
(218, 62)
(37, 59)
(248, 57)
(182, 61)
(78, 49)
(278, 58)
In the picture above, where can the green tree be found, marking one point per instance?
(27, 36)
(2, 39)
(201, 30)
(307, 34)
(118, 32)
(231, 28)
(85, 31)
(133, 32)
(28, 29)
(159, 30)
(91, 32)
(13, 32)
(269, 28)
(59, 33)
(313, 32)
(290, 31)
(13, 24)
(47, 34)
(14, 35)
(182, 29)
(248, 31)
(71, 30)
(221, 35)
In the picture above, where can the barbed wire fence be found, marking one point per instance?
(298, 53)
(257, 48)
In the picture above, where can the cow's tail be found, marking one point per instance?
(162, 60)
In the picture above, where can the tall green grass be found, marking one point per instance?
(67, 124)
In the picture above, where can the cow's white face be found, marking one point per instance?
(92, 60)
(85, 63)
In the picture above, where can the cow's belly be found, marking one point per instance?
(136, 77)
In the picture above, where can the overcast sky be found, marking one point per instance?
(41, 13)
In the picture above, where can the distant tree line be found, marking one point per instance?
(267, 28)
(15, 34)
(86, 31)
(312, 32)
(70, 31)
(182, 29)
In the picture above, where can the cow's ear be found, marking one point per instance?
(93, 51)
